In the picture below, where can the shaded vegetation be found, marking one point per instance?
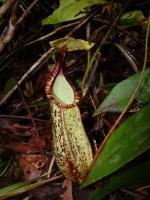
(108, 62)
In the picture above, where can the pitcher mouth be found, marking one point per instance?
(59, 90)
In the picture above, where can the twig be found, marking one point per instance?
(82, 22)
(6, 5)
(24, 15)
(51, 33)
(35, 133)
(40, 61)
(97, 50)
(101, 44)
(28, 197)
(134, 194)
(129, 57)
(143, 187)
(130, 35)
(120, 29)
(79, 25)
(23, 117)
(90, 81)
(6, 35)
(50, 167)
(9, 31)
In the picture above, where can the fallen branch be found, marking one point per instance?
(52, 33)
(6, 5)
(82, 22)
(38, 64)
(9, 31)
(25, 14)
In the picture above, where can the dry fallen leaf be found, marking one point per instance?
(67, 195)
(33, 165)
(35, 145)
(72, 44)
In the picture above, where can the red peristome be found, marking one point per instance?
(49, 85)
(51, 80)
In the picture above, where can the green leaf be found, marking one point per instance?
(69, 10)
(121, 93)
(19, 188)
(9, 85)
(108, 87)
(131, 18)
(134, 176)
(16, 186)
(131, 139)
(71, 44)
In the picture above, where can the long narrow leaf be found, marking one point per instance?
(131, 139)
(121, 93)
(22, 187)
(132, 176)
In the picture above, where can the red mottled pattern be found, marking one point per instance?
(71, 146)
